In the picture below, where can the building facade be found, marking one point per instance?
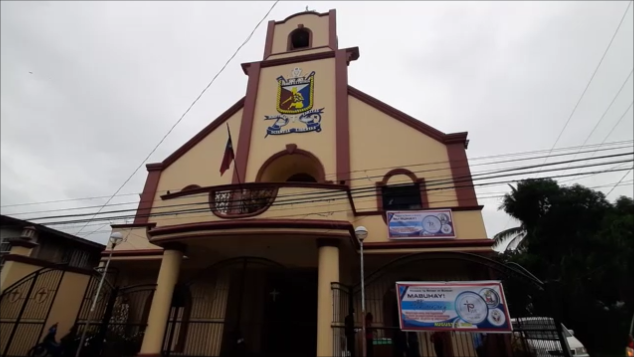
(264, 258)
(27, 246)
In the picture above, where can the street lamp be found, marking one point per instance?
(361, 232)
(115, 238)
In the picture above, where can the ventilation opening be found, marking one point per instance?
(301, 178)
(300, 38)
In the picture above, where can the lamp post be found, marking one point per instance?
(361, 232)
(115, 238)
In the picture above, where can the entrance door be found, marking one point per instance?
(290, 315)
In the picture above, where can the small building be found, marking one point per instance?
(28, 246)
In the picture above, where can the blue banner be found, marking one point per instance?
(453, 306)
(420, 224)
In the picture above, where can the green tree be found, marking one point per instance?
(574, 237)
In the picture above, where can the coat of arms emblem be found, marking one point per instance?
(295, 97)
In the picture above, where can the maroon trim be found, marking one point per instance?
(397, 114)
(146, 201)
(249, 224)
(131, 253)
(460, 243)
(292, 149)
(412, 176)
(198, 137)
(21, 242)
(342, 125)
(190, 187)
(465, 191)
(268, 44)
(332, 30)
(236, 196)
(303, 13)
(246, 125)
(255, 186)
(289, 42)
(352, 53)
(44, 263)
(134, 225)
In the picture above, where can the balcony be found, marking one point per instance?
(286, 200)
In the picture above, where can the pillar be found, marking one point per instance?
(13, 268)
(162, 301)
(328, 271)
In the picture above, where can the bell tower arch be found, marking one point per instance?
(304, 32)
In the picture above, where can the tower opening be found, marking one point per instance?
(300, 38)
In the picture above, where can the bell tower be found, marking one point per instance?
(300, 34)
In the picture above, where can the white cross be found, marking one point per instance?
(274, 293)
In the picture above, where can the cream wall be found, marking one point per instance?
(379, 143)
(67, 302)
(317, 24)
(133, 238)
(199, 166)
(321, 144)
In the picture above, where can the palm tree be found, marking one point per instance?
(513, 238)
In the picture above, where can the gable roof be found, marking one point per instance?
(198, 137)
(408, 120)
(8, 221)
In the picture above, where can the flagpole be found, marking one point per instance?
(235, 163)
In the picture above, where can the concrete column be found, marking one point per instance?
(328, 271)
(15, 268)
(162, 301)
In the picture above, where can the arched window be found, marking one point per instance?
(299, 39)
(302, 177)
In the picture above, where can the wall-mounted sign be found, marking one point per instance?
(453, 306)
(295, 105)
(420, 224)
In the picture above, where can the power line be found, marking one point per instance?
(440, 185)
(360, 178)
(206, 210)
(608, 108)
(498, 195)
(430, 180)
(372, 198)
(189, 108)
(608, 147)
(574, 109)
(622, 178)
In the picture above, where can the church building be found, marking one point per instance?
(251, 234)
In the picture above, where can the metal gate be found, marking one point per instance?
(536, 331)
(116, 325)
(24, 309)
(241, 306)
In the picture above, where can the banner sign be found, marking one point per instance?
(453, 306)
(420, 224)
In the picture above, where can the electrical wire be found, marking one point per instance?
(430, 181)
(303, 201)
(574, 110)
(153, 200)
(622, 178)
(189, 108)
(608, 108)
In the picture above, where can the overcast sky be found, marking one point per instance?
(89, 88)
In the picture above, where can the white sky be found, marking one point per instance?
(80, 81)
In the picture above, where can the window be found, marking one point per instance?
(300, 38)
(303, 177)
(401, 197)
